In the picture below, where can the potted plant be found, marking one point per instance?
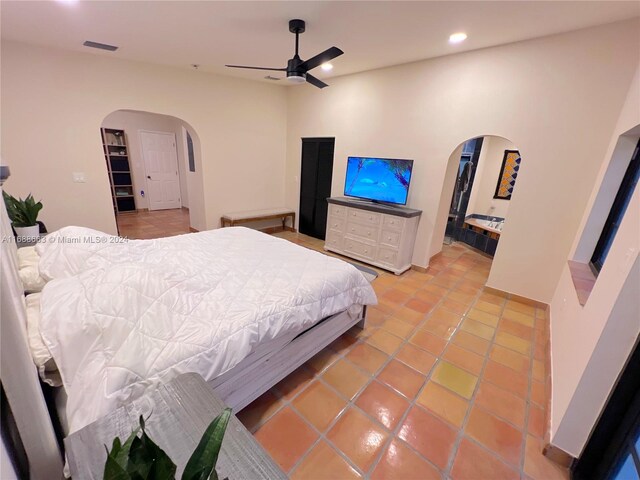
(140, 458)
(23, 215)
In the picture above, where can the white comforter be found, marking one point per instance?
(119, 317)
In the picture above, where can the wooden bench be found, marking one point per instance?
(238, 218)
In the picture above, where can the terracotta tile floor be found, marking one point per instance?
(446, 381)
(155, 224)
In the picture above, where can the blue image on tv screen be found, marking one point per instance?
(380, 179)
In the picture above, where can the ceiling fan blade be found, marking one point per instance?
(258, 68)
(316, 82)
(321, 58)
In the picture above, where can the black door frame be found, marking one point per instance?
(322, 198)
(619, 420)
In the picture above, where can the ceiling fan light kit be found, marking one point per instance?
(297, 69)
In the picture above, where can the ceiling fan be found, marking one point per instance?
(297, 70)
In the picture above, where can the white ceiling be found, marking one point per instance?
(373, 34)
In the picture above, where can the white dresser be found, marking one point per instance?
(380, 235)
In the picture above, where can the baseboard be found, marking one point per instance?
(557, 455)
(515, 297)
(277, 229)
(146, 209)
(418, 268)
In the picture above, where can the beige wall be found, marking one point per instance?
(484, 185)
(53, 103)
(590, 343)
(555, 97)
(135, 122)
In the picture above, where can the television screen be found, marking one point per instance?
(379, 179)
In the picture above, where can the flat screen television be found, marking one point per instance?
(378, 179)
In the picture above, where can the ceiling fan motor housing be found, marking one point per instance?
(294, 72)
(296, 26)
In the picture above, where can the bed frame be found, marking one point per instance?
(237, 388)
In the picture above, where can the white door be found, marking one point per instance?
(161, 165)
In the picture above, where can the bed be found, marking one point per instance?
(239, 307)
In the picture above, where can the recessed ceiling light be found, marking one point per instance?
(326, 67)
(457, 37)
(68, 2)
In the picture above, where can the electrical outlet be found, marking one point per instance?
(79, 177)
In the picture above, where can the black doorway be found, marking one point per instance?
(315, 185)
(613, 449)
(462, 190)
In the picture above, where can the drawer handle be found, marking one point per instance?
(369, 233)
(354, 214)
(366, 251)
(392, 222)
(370, 217)
(353, 229)
(389, 238)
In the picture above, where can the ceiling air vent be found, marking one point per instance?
(269, 77)
(101, 46)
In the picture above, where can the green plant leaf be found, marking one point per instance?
(122, 455)
(202, 463)
(147, 460)
(22, 213)
(118, 457)
(113, 471)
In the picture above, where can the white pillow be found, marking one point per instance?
(47, 367)
(28, 270)
(73, 250)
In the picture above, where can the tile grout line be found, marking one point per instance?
(440, 357)
(528, 404)
(469, 274)
(412, 402)
(373, 378)
(427, 376)
(471, 401)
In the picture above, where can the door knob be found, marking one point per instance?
(148, 177)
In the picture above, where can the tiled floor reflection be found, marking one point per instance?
(154, 224)
(447, 381)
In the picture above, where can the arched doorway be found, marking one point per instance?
(155, 172)
(482, 172)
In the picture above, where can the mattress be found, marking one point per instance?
(121, 317)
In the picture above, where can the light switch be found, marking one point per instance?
(79, 177)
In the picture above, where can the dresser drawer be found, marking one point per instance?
(336, 223)
(387, 256)
(363, 216)
(390, 238)
(359, 248)
(337, 210)
(395, 223)
(334, 240)
(364, 231)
